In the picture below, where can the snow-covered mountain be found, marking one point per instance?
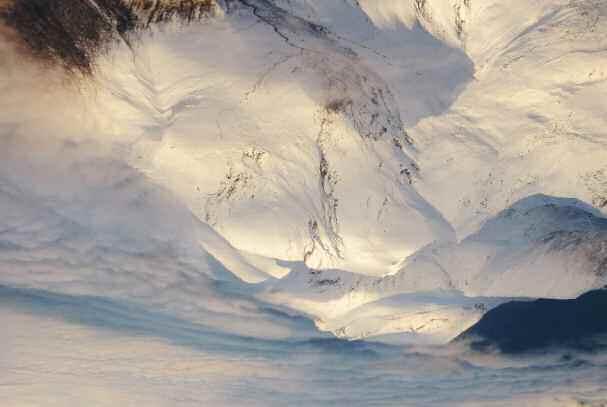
(390, 169)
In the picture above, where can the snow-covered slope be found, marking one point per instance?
(539, 247)
(372, 164)
(532, 120)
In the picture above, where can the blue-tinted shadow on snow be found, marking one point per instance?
(131, 319)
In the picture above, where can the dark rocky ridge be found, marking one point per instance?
(521, 326)
(72, 33)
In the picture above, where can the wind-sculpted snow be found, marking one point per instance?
(72, 350)
(85, 225)
(539, 247)
(262, 187)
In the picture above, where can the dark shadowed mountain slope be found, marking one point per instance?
(520, 326)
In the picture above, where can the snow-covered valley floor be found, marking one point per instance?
(77, 351)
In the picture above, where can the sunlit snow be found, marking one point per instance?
(298, 202)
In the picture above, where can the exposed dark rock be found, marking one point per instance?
(156, 11)
(70, 32)
(73, 32)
